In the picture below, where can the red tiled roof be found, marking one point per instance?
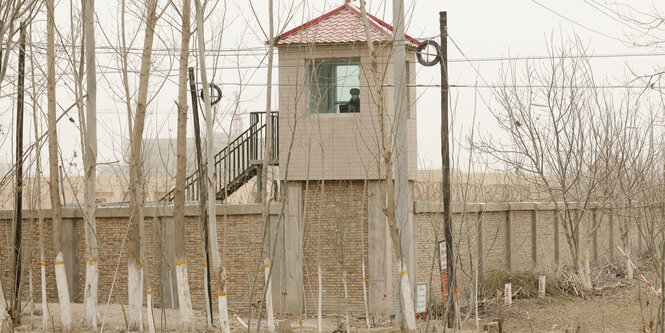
(341, 25)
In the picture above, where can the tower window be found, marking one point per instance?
(334, 85)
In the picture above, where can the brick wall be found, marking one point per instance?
(239, 238)
(339, 214)
(494, 221)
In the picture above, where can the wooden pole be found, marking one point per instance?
(445, 161)
(15, 311)
(203, 193)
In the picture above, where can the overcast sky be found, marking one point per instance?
(483, 30)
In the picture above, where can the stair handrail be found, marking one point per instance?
(249, 136)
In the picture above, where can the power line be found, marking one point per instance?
(114, 70)
(234, 53)
(575, 22)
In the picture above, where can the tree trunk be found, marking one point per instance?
(38, 191)
(210, 176)
(267, 151)
(56, 208)
(268, 286)
(15, 309)
(90, 166)
(386, 160)
(136, 186)
(184, 297)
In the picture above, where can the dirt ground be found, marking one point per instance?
(616, 308)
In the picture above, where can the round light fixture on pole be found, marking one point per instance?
(426, 56)
(215, 94)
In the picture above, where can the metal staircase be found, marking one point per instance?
(239, 161)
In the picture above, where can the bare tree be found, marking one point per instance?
(38, 188)
(184, 297)
(90, 164)
(11, 12)
(555, 137)
(136, 180)
(218, 269)
(386, 160)
(56, 208)
(265, 200)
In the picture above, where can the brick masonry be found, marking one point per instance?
(340, 216)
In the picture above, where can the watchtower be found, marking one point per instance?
(331, 162)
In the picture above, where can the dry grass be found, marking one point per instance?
(524, 283)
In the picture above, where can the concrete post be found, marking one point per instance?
(509, 242)
(611, 233)
(167, 273)
(639, 242)
(481, 249)
(287, 275)
(595, 234)
(379, 259)
(534, 235)
(70, 253)
(278, 265)
(578, 245)
(557, 260)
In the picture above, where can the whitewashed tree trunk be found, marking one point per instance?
(63, 292)
(135, 306)
(56, 208)
(346, 302)
(45, 313)
(222, 299)
(365, 296)
(182, 281)
(269, 310)
(184, 297)
(90, 166)
(210, 176)
(407, 299)
(151, 318)
(136, 182)
(319, 324)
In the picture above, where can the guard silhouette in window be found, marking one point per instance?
(353, 105)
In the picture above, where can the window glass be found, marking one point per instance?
(334, 86)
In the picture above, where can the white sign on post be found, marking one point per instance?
(541, 285)
(421, 298)
(508, 294)
(443, 256)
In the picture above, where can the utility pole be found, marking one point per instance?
(203, 194)
(441, 57)
(445, 161)
(15, 312)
